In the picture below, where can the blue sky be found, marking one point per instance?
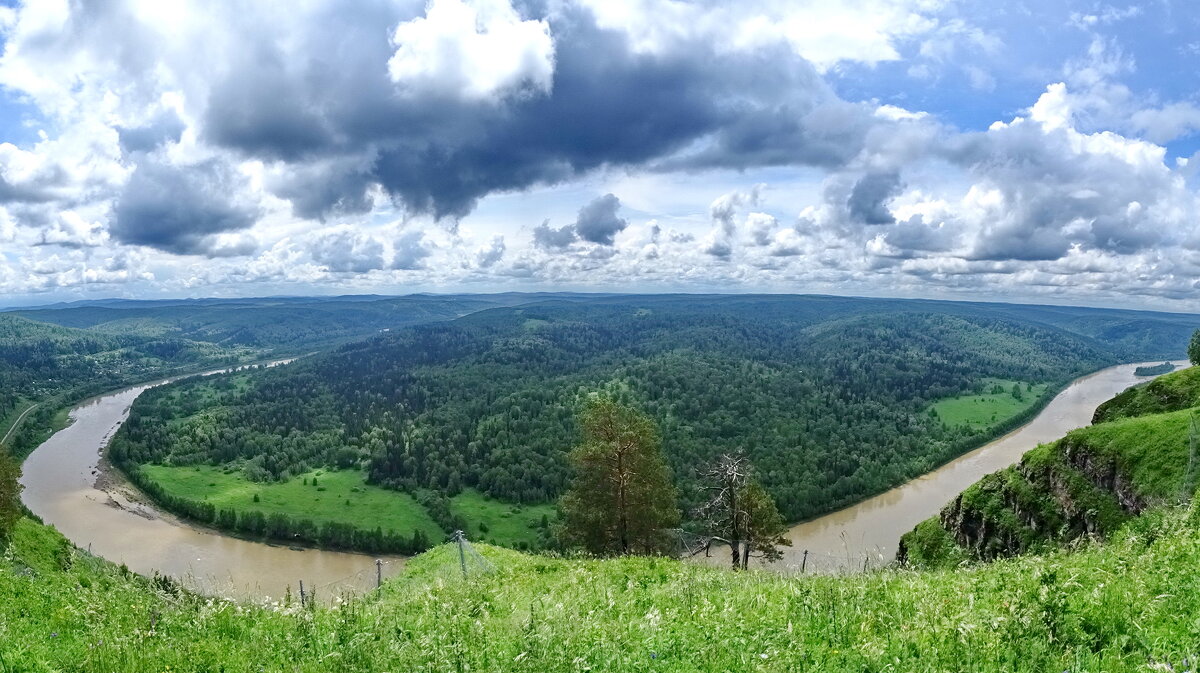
(1020, 151)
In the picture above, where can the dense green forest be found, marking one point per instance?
(44, 367)
(50, 357)
(829, 398)
(291, 324)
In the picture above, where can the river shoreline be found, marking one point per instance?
(867, 534)
(70, 484)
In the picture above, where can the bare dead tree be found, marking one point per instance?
(724, 514)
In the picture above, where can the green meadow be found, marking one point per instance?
(992, 406)
(340, 496)
(501, 523)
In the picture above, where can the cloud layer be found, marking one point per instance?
(216, 148)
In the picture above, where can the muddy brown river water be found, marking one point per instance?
(60, 479)
(868, 534)
(106, 516)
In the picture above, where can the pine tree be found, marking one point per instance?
(1194, 348)
(622, 500)
(765, 530)
(10, 495)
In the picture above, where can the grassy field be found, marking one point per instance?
(990, 407)
(1130, 605)
(498, 522)
(340, 496)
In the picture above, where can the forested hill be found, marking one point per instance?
(287, 323)
(829, 397)
(39, 361)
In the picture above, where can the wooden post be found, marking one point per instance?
(462, 557)
(804, 562)
(378, 573)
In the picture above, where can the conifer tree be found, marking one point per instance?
(622, 500)
(765, 530)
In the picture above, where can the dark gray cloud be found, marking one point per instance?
(549, 238)
(868, 200)
(609, 105)
(166, 127)
(322, 188)
(178, 208)
(598, 221)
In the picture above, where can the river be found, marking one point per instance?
(868, 534)
(65, 486)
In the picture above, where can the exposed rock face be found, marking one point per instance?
(1079, 493)
(1104, 474)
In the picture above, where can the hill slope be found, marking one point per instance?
(1129, 605)
(43, 366)
(1088, 483)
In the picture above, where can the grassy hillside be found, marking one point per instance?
(1133, 604)
(1178, 390)
(1089, 483)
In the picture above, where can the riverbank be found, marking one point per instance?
(867, 535)
(64, 487)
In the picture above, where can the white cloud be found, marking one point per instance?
(471, 48)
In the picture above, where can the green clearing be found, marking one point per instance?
(340, 496)
(990, 407)
(498, 522)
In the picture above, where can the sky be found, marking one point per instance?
(1042, 151)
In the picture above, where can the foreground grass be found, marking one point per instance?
(987, 409)
(1131, 605)
(340, 496)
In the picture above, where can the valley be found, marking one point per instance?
(305, 464)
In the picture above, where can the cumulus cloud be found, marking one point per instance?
(163, 128)
(348, 251)
(179, 208)
(868, 199)
(598, 221)
(473, 49)
(488, 256)
(550, 238)
(318, 143)
(410, 250)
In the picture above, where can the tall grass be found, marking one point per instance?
(1128, 605)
